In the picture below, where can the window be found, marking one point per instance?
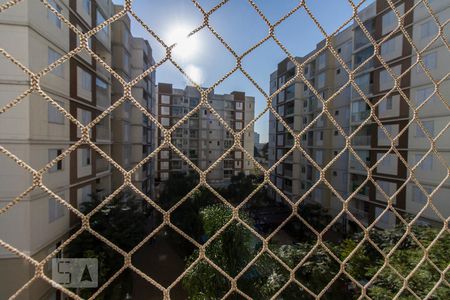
(335, 132)
(55, 209)
(392, 48)
(383, 139)
(322, 60)
(85, 157)
(389, 20)
(386, 80)
(426, 164)
(321, 80)
(429, 61)
(386, 105)
(53, 56)
(321, 136)
(428, 29)
(165, 110)
(52, 154)
(86, 80)
(319, 157)
(336, 112)
(338, 71)
(87, 6)
(51, 16)
(422, 94)
(429, 126)
(388, 47)
(102, 92)
(419, 196)
(388, 165)
(290, 92)
(389, 103)
(101, 84)
(387, 187)
(54, 116)
(101, 19)
(165, 99)
(85, 116)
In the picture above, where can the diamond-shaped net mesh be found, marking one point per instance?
(265, 250)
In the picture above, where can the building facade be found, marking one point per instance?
(37, 132)
(394, 113)
(203, 139)
(322, 141)
(299, 107)
(133, 132)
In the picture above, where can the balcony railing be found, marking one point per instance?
(361, 140)
(289, 111)
(356, 165)
(102, 165)
(287, 172)
(364, 191)
(360, 116)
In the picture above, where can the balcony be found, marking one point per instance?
(360, 116)
(363, 191)
(102, 165)
(361, 215)
(361, 140)
(288, 172)
(312, 104)
(287, 189)
(289, 141)
(356, 165)
(289, 111)
(362, 56)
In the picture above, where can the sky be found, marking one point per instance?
(207, 60)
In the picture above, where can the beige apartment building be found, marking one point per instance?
(322, 141)
(298, 106)
(37, 133)
(203, 139)
(394, 113)
(133, 132)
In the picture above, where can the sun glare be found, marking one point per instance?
(186, 46)
(195, 73)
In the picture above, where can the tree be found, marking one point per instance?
(124, 222)
(240, 187)
(232, 250)
(267, 276)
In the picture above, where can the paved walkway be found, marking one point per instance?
(161, 262)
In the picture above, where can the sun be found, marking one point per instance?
(186, 46)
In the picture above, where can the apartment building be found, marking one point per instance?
(37, 132)
(299, 107)
(322, 141)
(133, 133)
(203, 139)
(395, 114)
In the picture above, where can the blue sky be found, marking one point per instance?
(241, 27)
